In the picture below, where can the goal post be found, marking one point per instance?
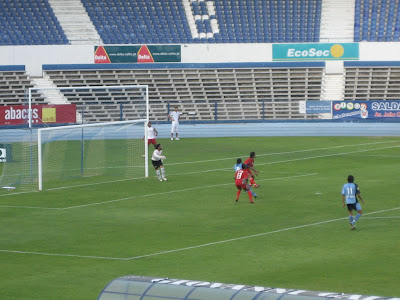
(92, 153)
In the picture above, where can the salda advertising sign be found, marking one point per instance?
(371, 109)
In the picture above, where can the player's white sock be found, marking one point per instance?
(163, 172)
(158, 174)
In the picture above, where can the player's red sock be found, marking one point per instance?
(252, 181)
(250, 196)
(237, 195)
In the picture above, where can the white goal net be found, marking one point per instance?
(91, 153)
(19, 166)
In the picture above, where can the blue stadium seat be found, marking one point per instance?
(379, 20)
(245, 21)
(30, 22)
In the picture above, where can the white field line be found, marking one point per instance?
(325, 155)
(253, 235)
(30, 207)
(393, 217)
(191, 247)
(230, 158)
(62, 255)
(150, 195)
(390, 156)
(182, 190)
(224, 169)
(279, 153)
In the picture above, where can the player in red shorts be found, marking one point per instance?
(242, 182)
(250, 163)
(151, 134)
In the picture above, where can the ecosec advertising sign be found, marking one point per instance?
(41, 114)
(316, 51)
(389, 109)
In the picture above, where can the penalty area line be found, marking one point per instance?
(61, 255)
(190, 247)
(150, 195)
(182, 190)
(224, 169)
(254, 235)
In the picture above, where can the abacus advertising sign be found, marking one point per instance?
(6, 153)
(3, 154)
(323, 51)
(389, 109)
(136, 54)
(41, 114)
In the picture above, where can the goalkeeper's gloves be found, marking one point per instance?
(163, 157)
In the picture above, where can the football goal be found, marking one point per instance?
(92, 153)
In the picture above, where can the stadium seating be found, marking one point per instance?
(32, 22)
(235, 91)
(377, 21)
(269, 21)
(14, 85)
(139, 21)
(244, 21)
(372, 81)
(29, 22)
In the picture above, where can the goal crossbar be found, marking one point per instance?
(88, 87)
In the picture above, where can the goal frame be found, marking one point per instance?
(55, 88)
(39, 139)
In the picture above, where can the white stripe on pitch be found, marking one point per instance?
(280, 153)
(224, 169)
(254, 235)
(150, 195)
(191, 247)
(182, 190)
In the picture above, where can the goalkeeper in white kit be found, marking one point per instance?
(156, 160)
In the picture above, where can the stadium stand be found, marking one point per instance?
(235, 91)
(377, 21)
(220, 21)
(139, 21)
(14, 85)
(372, 80)
(269, 21)
(230, 21)
(29, 22)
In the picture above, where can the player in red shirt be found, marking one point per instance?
(252, 171)
(242, 182)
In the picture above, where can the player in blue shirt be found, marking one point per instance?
(350, 195)
(239, 166)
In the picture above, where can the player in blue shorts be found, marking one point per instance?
(350, 195)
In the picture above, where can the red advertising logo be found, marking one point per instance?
(101, 56)
(144, 55)
(41, 114)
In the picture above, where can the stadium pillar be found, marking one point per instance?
(263, 109)
(216, 111)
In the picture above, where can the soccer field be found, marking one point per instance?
(69, 243)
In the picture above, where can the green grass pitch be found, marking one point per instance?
(69, 243)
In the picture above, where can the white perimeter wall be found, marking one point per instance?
(33, 57)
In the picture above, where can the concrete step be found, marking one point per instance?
(75, 21)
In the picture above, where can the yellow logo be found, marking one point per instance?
(337, 50)
(49, 115)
